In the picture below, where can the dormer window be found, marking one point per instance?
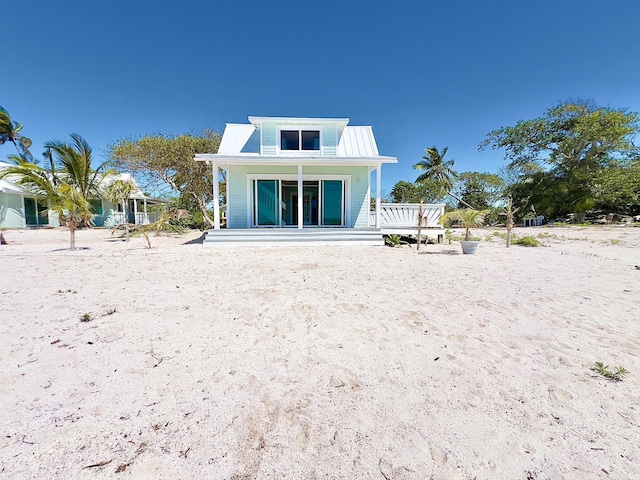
(296, 140)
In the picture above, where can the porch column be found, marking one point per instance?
(135, 211)
(300, 198)
(146, 217)
(378, 194)
(216, 196)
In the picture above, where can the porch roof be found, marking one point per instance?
(8, 187)
(293, 160)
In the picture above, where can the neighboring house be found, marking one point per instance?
(298, 181)
(19, 208)
(139, 210)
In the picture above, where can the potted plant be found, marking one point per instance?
(469, 218)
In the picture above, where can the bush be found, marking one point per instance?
(527, 241)
(394, 240)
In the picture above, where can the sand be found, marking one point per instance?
(319, 362)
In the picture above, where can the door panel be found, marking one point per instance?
(332, 194)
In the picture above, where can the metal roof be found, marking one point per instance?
(357, 142)
(8, 187)
(354, 142)
(235, 137)
(340, 122)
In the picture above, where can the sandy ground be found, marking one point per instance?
(319, 362)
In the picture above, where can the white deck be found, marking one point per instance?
(402, 218)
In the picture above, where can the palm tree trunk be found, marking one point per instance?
(16, 145)
(72, 232)
(460, 200)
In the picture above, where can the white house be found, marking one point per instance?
(298, 181)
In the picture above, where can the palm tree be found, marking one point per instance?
(119, 191)
(74, 164)
(64, 199)
(435, 167)
(468, 217)
(10, 132)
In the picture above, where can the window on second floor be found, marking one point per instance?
(299, 140)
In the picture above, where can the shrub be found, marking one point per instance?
(394, 240)
(615, 375)
(527, 241)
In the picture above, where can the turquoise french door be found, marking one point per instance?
(275, 203)
(30, 211)
(35, 211)
(332, 202)
(267, 202)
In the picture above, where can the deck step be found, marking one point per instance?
(292, 237)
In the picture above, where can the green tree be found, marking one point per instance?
(10, 132)
(617, 188)
(435, 167)
(482, 190)
(429, 191)
(167, 160)
(73, 166)
(65, 200)
(119, 191)
(467, 217)
(564, 152)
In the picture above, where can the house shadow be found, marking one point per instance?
(443, 252)
(195, 241)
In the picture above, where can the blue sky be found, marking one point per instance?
(422, 73)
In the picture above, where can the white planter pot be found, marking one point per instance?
(469, 246)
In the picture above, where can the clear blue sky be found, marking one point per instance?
(422, 73)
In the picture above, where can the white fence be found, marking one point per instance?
(141, 218)
(402, 218)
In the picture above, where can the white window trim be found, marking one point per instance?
(299, 128)
(294, 177)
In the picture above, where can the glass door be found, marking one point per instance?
(30, 211)
(267, 202)
(332, 202)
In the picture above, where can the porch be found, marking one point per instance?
(394, 218)
(138, 211)
(402, 219)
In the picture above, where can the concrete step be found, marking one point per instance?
(293, 236)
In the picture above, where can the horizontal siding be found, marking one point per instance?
(11, 213)
(329, 141)
(237, 194)
(269, 139)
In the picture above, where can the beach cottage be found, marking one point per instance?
(20, 208)
(297, 181)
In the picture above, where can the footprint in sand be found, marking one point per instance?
(438, 455)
